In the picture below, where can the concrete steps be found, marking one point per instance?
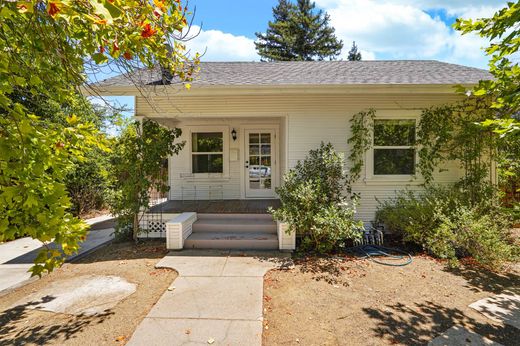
(233, 231)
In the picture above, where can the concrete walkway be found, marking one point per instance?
(17, 256)
(216, 299)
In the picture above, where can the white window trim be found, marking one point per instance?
(225, 150)
(370, 177)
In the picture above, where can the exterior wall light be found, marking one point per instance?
(234, 134)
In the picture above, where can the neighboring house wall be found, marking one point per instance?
(304, 119)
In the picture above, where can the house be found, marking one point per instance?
(246, 123)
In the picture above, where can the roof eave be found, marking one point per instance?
(180, 90)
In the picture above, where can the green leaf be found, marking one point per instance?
(99, 58)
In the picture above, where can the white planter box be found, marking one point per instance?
(178, 229)
(286, 241)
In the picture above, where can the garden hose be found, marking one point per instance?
(370, 251)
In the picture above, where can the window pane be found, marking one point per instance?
(394, 132)
(254, 138)
(394, 161)
(207, 163)
(207, 142)
(254, 160)
(254, 149)
(266, 161)
(254, 184)
(266, 138)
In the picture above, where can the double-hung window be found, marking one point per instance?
(207, 152)
(394, 151)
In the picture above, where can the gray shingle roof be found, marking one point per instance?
(316, 73)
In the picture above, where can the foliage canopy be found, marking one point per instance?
(353, 53)
(503, 31)
(298, 33)
(45, 50)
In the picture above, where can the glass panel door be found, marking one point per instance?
(259, 163)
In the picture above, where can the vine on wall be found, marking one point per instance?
(362, 129)
(453, 133)
(445, 133)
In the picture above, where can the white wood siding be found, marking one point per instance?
(304, 119)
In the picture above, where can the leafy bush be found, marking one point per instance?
(87, 183)
(313, 201)
(443, 222)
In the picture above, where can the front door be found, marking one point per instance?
(260, 162)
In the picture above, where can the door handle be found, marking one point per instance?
(247, 164)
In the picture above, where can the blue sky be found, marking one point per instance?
(235, 17)
(382, 29)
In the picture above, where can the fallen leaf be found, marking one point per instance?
(211, 340)
(187, 331)
(121, 338)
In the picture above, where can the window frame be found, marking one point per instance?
(369, 159)
(225, 149)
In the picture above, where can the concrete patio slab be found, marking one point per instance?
(456, 336)
(504, 307)
(231, 298)
(84, 295)
(159, 332)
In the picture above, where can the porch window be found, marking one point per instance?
(394, 152)
(207, 152)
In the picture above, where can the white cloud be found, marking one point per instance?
(221, 46)
(404, 30)
(366, 54)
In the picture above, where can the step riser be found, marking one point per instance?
(231, 244)
(235, 216)
(239, 228)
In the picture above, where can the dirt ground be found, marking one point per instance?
(20, 325)
(346, 301)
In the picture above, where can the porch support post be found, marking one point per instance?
(286, 241)
(178, 229)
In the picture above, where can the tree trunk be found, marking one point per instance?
(136, 227)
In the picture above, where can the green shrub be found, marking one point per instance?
(136, 169)
(313, 202)
(87, 183)
(443, 222)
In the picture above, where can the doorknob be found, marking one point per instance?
(247, 164)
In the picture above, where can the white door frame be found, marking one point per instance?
(275, 156)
